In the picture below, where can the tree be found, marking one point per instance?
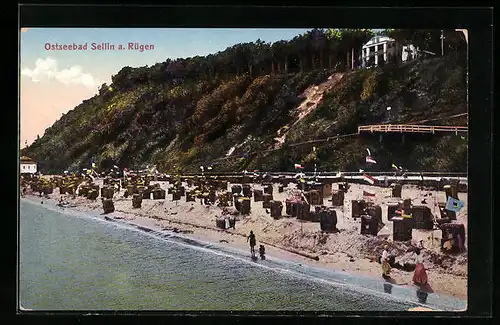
(249, 55)
(317, 41)
(260, 55)
(333, 37)
(280, 52)
(122, 80)
(353, 40)
(240, 57)
(429, 40)
(300, 45)
(454, 41)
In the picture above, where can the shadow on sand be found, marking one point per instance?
(422, 291)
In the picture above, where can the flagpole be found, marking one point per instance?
(435, 196)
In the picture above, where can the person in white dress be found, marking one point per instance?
(420, 276)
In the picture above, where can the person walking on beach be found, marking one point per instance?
(234, 222)
(251, 237)
(420, 276)
(384, 260)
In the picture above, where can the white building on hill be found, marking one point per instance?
(28, 166)
(377, 49)
(385, 49)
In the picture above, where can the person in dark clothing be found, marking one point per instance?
(262, 251)
(251, 237)
(234, 222)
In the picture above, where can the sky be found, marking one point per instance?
(53, 82)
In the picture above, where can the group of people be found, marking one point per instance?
(419, 275)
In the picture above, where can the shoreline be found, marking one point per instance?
(299, 238)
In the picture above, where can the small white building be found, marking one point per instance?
(28, 166)
(383, 48)
(409, 52)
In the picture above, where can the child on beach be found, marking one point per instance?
(386, 268)
(262, 251)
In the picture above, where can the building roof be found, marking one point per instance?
(378, 40)
(27, 160)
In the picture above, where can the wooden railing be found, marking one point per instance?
(411, 128)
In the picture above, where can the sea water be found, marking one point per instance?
(82, 262)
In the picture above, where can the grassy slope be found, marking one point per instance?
(197, 121)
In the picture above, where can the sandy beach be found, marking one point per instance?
(346, 250)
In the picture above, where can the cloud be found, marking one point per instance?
(47, 69)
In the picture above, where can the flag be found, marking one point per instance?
(298, 166)
(395, 167)
(370, 160)
(454, 204)
(367, 193)
(404, 215)
(369, 179)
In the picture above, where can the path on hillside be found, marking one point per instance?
(411, 128)
(313, 96)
